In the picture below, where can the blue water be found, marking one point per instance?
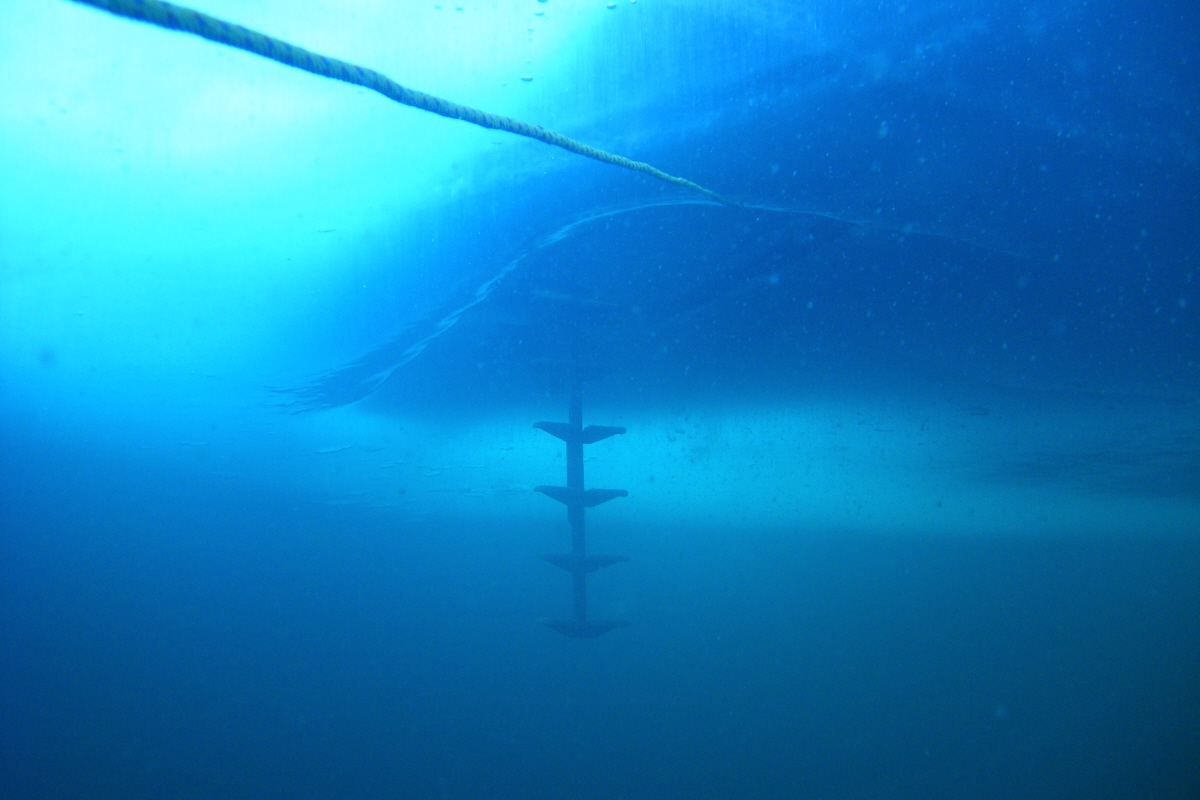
(913, 430)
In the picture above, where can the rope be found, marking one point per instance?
(179, 18)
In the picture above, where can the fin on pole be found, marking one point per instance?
(574, 563)
(583, 629)
(577, 500)
(576, 497)
(589, 435)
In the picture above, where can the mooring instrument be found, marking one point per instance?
(577, 499)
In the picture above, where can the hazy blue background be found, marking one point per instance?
(914, 435)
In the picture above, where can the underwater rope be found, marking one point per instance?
(179, 18)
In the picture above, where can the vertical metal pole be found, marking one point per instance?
(577, 499)
(575, 513)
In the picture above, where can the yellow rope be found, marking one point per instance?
(173, 17)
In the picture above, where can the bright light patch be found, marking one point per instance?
(172, 206)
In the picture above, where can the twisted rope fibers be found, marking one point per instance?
(179, 18)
